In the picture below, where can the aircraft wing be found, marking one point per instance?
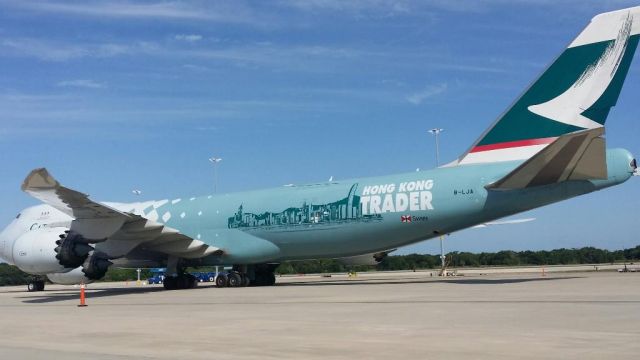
(503, 222)
(42, 186)
(366, 259)
(575, 156)
(117, 232)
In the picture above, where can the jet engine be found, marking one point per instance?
(95, 266)
(72, 250)
(34, 251)
(73, 277)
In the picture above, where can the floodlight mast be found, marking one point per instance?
(436, 132)
(215, 160)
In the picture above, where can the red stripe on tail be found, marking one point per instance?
(512, 144)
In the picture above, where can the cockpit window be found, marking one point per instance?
(18, 216)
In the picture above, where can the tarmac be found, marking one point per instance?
(400, 315)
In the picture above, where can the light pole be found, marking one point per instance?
(215, 160)
(436, 132)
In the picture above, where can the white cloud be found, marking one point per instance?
(59, 51)
(188, 37)
(408, 7)
(430, 91)
(197, 68)
(216, 11)
(386, 7)
(81, 83)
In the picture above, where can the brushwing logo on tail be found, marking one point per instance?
(568, 107)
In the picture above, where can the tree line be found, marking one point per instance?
(586, 255)
(11, 275)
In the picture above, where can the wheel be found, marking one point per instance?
(170, 283)
(245, 280)
(259, 280)
(212, 279)
(221, 280)
(31, 287)
(40, 285)
(235, 280)
(192, 282)
(271, 279)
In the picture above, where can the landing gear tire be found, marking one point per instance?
(180, 282)
(270, 279)
(264, 279)
(170, 283)
(245, 280)
(221, 281)
(235, 280)
(36, 285)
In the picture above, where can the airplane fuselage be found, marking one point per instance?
(342, 218)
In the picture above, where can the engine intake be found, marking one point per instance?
(72, 250)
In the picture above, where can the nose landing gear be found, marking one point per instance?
(36, 284)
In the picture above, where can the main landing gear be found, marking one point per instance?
(251, 275)
(180, 282)
(233, 279)
(239, 276)
(177, 278)
(36, 284)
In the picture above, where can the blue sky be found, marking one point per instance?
(118, 95)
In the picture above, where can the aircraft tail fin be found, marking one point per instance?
(576, 92)
(577, 156)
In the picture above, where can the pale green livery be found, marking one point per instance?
(546, 147)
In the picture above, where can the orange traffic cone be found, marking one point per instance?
(82, 301)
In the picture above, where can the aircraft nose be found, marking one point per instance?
(3, 245)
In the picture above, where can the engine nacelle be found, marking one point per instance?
(34, 251)
(73, 277)
(96, 266)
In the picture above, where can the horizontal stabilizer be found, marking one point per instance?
(576, 156)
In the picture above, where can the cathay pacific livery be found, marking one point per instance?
(547, 147)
